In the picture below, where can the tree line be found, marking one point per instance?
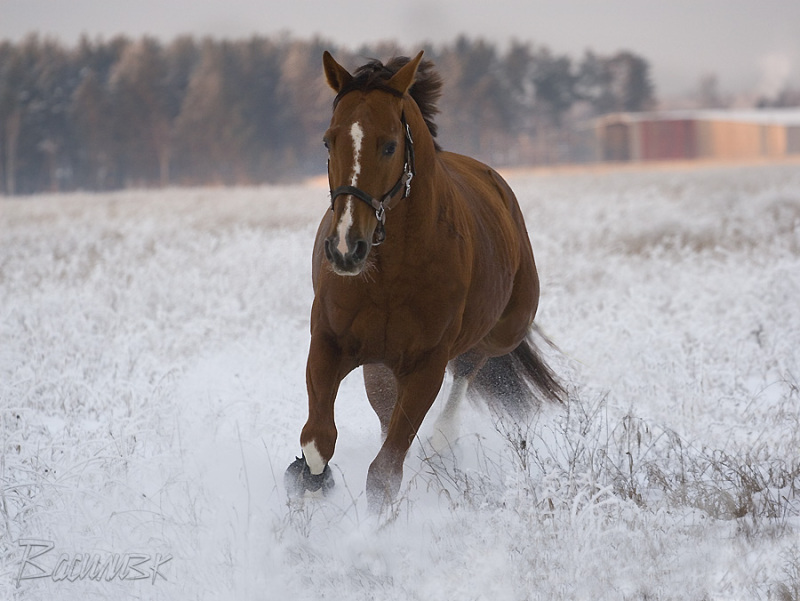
(109, 114)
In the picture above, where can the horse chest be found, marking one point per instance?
(372, 326)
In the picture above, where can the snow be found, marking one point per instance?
(152, 393)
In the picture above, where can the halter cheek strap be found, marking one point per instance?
(404, 182)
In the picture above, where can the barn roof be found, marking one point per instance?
(782, 116)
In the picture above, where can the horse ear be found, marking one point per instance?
(337, 76)
(404, 78)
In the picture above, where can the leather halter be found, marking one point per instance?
(380, 206)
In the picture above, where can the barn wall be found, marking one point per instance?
(793, 140)
(616, 142)
(663, 140)
(640, 137)
(773, 141)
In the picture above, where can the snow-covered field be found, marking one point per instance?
(152, 394)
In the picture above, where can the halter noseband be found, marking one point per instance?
(404, 181)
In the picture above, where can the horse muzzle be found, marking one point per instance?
(347, 257)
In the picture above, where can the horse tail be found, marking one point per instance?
(519, 381)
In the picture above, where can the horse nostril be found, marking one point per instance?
(329, 249)
(360, 251)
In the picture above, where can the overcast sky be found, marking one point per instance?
(748, 44)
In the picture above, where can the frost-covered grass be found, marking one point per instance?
(152, 393)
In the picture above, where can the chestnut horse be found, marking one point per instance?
(422, 261)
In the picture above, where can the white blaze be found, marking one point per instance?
(344, 226)
(358, 136)
(346, 222)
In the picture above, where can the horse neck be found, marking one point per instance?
(424, 197)
(424, 145)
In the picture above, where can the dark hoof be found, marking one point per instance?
(298, 479)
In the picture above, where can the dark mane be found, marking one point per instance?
(425, 91)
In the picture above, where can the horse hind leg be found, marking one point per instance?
(446, 428)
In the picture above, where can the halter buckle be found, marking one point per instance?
(409, 177)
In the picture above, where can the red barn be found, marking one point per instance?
(685, 135)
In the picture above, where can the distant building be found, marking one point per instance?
(701, 134)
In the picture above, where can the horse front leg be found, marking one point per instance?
(381, 387)
(416, 392)
(325, 370)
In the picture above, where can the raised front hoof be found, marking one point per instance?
(299, 480)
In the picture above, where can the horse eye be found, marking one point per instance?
(326, 143)
(390, 148)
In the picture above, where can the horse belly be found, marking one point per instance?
(482, 313)
(514, 305)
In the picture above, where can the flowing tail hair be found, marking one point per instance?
(519, 381)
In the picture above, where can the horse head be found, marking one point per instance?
(370, 159)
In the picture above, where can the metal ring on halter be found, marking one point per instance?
(380, 230)
(409, 177)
